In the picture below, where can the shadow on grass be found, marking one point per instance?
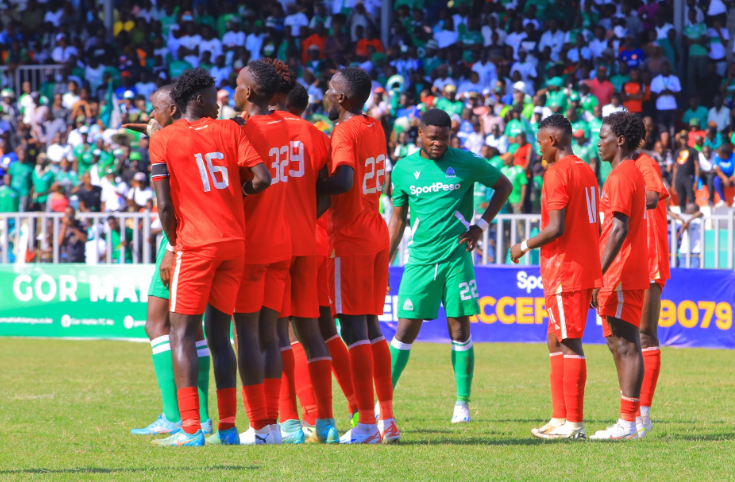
(103, 470)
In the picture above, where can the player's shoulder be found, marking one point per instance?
(407, 163)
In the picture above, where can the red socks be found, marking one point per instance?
(575, 377)
(651, 369)
(272, 389)
(320, 372)
(188, 399)
(558, 406)
(629, 408)
(341, 369)
(287, 408)
(382, 377)
(253, 397)
(303, 384)
(227, 406)
(361, 365)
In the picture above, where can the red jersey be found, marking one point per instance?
(201, 160)
(322, 238)
(356, 226)
(571, 262)
(625, 192)
(268, 233)
(656, 220)
(309, 153)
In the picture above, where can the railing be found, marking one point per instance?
(14, 78)
(715, 245)
(23, 229)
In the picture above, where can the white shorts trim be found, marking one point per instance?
(175, 282)
(562, 318)
(619, 309)
(337, 285)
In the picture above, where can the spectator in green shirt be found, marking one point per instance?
(696, 39)
(695, 111)
(517, 177)
(9, 197)
(621, 78)
(577, 122)
(584, 149)
(43, 183)
(449, 103)
(116, 243)
(21, 172)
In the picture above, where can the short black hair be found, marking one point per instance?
(358, 83)
(628, 125)
(436, 117)
(266, 78)
(298, 98)
(556, 121)
(188, 84)
(287, 77)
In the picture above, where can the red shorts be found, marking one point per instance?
(625, 305)
(324, 282)
(660, 282)
(568, 313)
(198, 280)
(360, 284)
(301, 298)
(262, 285)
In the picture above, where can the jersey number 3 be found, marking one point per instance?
(213, 170)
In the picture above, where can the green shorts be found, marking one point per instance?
(451, 282)
(157, 287)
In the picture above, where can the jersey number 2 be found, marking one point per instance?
(374, 168)
(213, 170)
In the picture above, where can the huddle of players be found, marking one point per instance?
(239, 206)
(620, 270)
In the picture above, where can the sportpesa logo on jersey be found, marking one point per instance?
(435, 187)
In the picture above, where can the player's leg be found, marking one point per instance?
(249, 358)
(205, 365)
(337, 349)
(350, 287)
(157, 327)
(623, 340)
(651, 354)
(291, 432)
(463, 364)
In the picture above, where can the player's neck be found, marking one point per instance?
(621, 158)
(346, 115)
(257, 109)
(563, 152)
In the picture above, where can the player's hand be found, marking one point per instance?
(239, 121)
(141, 128)
(166, 266)
(595, 293)
(471, 237)
(516, 253)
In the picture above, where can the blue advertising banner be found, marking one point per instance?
(696, 309)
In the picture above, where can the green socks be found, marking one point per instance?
(164, 368)
(203, 380)
(463, 362)
(399, 353)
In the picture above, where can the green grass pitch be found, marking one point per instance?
(66, 408)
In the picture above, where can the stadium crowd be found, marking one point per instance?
(498, 68)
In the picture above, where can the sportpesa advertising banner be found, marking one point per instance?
(79, 301)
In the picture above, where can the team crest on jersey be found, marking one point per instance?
(417, 174)
(450, 173)
(408, 305)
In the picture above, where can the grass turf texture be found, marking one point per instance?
(67, 407)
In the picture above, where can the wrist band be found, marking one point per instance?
(482, 224)
(170, 248)
(524, 246)
(244, 193)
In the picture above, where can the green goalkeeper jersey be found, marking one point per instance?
(439, 194)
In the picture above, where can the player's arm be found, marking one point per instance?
(553, 231)
(396, 227)
(651, 199)
(166, 214)
(338, 183)
(323, 201)
(260, 181)
(502, 189)
(615, 241)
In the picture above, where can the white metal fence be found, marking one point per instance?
(13, 78)
(708, 242)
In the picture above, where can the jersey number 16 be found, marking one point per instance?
(213, 170)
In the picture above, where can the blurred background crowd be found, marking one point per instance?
(497, 67)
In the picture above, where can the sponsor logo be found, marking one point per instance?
(436, 187)
(528, 283)
(417, 174)
(408, 305)
(450, 172)
(67, 321)
(129, 322)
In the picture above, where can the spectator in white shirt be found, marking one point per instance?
(485, 69)
(515, 38)
(210, 43)
(475, 140)
(71, 97)
(140, 193)
(552, 38)
(190, 42)
(598, 44)
(525, 67)
(220, 72)
(497, 140)
(254, 41)
(63, 51)
(448, 35)
(234, 37)
(614, 106)
(488, 29)
(295, 19)
(666, 86)
(223, 100)
(145, 86)
(443, 79)
(719, 114)
(471, 85)
(54, 17)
